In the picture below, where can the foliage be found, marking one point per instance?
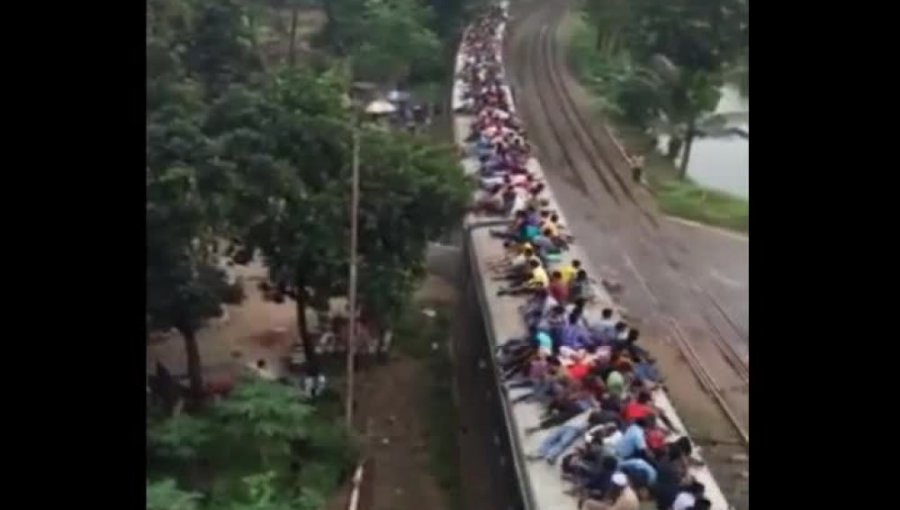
(180, 438)
(248, 441)
(678, 54)
(219, 48)
(685, 199)
(294, 208)
(386, 40)
(267, 415)
(397, 38)
(165, 495)
(260, 493)
(635, 96)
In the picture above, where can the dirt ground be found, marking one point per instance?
(253, 330)
(390, 397)
(390, 405)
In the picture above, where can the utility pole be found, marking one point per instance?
(354, 226)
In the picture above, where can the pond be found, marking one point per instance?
(724, 163)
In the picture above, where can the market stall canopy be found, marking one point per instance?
(380, 107)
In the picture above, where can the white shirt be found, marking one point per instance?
(519, 203)
(684, 501)
(549, 304)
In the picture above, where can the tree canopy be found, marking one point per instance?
(242, 159)
(676, 57)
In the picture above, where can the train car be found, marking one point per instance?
(534, 485)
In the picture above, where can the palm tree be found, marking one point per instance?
(685, 102)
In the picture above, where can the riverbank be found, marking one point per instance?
(682, 198)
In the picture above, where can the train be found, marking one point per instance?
(526, 485)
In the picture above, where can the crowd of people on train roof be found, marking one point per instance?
(626, 450)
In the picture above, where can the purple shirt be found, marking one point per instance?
(573, 336)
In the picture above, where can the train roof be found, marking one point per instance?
(542, 485)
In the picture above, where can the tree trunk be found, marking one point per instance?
(688, 143)
(194, 367)
(674, 147)
(292, 49)
(608, 44)
(309, 350)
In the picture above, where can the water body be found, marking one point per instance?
(723, 163)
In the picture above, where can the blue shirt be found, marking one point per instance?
(529, 232)
(604, 332)
(641, 466)
(544, 341)
(632, 442)
(572, 336)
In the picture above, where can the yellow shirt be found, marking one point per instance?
(549, 225)
(568, 273)
(539, 278)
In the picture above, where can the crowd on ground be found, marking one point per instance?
(626, 450)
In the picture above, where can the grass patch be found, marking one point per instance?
(685, 199)
(416, 334)
(677, 197)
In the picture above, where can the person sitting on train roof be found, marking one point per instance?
(638, 409)
(538, 307)
(619, 496)
(633, 442)
(672, 477)
(687, 499)
(574, 401)
(553, 323)
(512, 260)
(576, 312)
(569, 270)
(509, 180)
(581, 287)
(535, 370)
(608, 336)
(489, 201)
(635, 352)
(641, 474)
(519, 273)
(573, 336)
(591, 473)
(538, 280)
(547, 248)
(556, 443)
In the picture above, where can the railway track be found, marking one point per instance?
(576, 143)
(707, 380)
(597, 156)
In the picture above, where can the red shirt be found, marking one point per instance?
(578, 370)
(559, 291)
(634, 410)
(656, 439)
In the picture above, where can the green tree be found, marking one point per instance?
(292, 144)
(267, 415)
(186, 197)
(385, 39)
(219, 48)
(165, 495)
(260, 492)
(611, 18)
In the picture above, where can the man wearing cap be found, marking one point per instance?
(619, 497)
